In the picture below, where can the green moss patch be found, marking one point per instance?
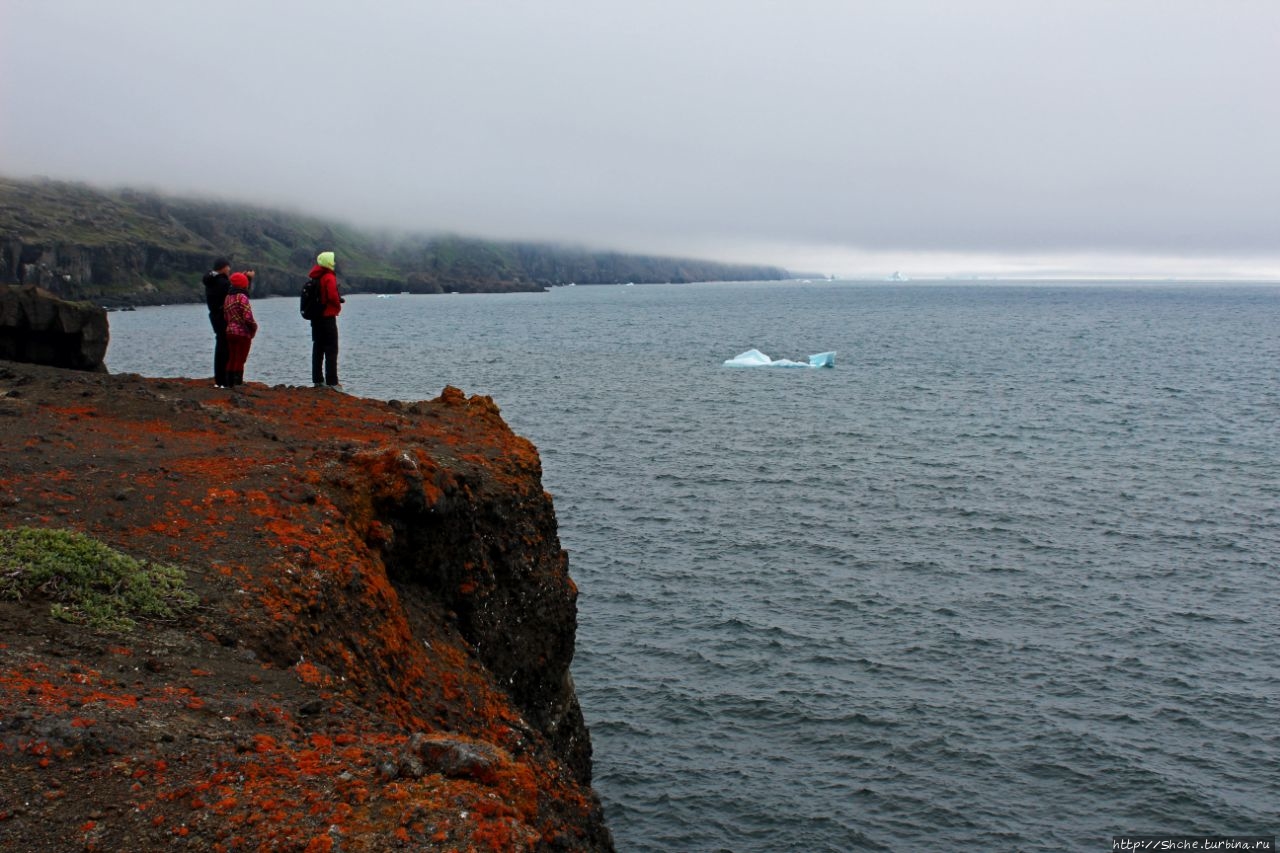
(88, 582)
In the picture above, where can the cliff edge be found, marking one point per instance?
(376, 646)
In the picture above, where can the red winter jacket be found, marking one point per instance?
(239, 314)
(329, 297)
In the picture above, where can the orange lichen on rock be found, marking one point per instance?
(379, 660)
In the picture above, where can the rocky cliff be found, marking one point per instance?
(379, 656)
(38, 328)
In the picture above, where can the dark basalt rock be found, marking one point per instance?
(39, 328)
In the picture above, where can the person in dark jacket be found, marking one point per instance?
(216, 285)
(324, 329)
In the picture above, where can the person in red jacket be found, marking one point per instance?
(241, 326)
(324, 329)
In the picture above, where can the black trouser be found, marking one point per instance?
(220, 351)
(324, 351)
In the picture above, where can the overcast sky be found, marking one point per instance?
(1130, 136)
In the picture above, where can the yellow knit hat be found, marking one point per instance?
(325, 259)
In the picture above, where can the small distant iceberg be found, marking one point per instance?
(755, 358)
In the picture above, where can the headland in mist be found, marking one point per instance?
(123, 246)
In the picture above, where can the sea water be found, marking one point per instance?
(1004, 579)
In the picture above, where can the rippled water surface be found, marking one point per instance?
(1006, 577)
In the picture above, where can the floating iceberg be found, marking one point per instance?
(755, 358)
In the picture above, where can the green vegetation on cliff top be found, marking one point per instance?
(132, 246)
(88, 582)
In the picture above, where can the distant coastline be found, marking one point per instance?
(126, 247)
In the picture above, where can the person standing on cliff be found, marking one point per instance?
(241, 326)
(216, 285)
(324, 329)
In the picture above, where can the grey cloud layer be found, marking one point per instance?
(983, 126)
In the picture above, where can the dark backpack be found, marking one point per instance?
(309, 303)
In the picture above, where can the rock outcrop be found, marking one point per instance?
(380, 657)
(39, 328)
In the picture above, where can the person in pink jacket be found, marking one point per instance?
(241, 326)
